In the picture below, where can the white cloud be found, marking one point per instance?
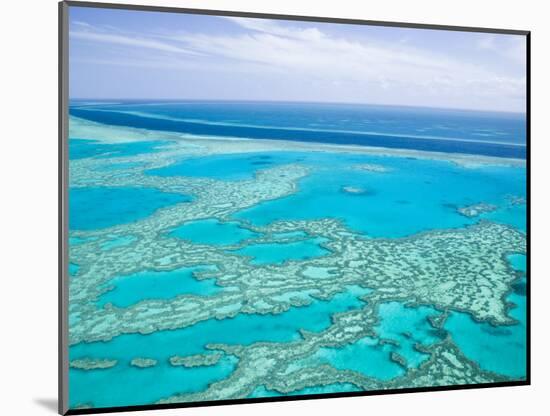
(93, 34)
(82, 24)
(274, 28)
(487, 42)
(512, 47)
(377, 70)
(389, 65)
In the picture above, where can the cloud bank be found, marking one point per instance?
(321, 62)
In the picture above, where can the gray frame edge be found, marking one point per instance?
(321, 19)
(63, 220)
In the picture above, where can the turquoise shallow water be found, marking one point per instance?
(112, 386)
(120, 166)
(278, 253)
(413, 196)
(75, 241)
(136, 287)
(73, 269)
(329, 388)
(289, 234)
(118, 242)
(84, 148)
(518, 262)
(364, 356)
(95, 208)
(516, 216)
(212, 231)
(407, 326)
(126, 384)
(243, 329)
(500, 349)
(225, 167)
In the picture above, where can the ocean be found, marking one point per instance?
(450, 131)
(252, 240)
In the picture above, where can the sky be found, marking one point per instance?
(128, 54)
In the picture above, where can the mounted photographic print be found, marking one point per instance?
(265, 208)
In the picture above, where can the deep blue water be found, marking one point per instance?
(95, 208)
(451, 131)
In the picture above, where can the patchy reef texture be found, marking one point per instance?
(450, 270)
(476, 209)
(197, 360)
(92, 364)
(143, 362)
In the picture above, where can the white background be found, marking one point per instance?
(28, 229)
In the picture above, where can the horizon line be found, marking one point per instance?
(176, 100)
